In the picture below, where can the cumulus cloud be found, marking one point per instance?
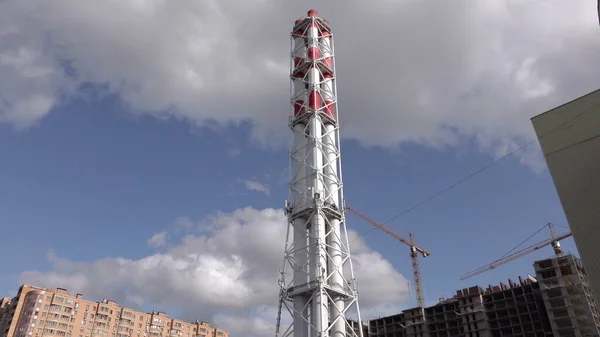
(227, 273)
(183, 223)
(158, 239)
(437, 73)
(253, 185)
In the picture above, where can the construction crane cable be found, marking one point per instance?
(520, 244)
(573, 145)
(486, 167)
(518, 254)
(424, 201)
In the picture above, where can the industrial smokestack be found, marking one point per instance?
(314, 287)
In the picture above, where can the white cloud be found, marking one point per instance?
(233, 152)
(158, 240)
(436, 74)
(253, 185)
(183, 223)
(206, 273)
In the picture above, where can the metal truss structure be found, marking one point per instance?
(318, 287)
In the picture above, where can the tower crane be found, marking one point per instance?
(414, 252)
(554, 240)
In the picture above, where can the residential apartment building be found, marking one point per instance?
(40, 312)
(356, 328)
(556, 303)
(570, 139)
(567, 296)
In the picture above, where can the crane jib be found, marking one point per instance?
(518, 254)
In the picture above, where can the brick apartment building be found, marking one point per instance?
(40, 312)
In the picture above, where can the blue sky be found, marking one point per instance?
(92, 182)
(143, 144)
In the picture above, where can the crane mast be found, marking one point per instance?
(415, 251)
(414, 257)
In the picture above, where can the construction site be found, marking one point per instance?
(155, 218)
(557, 301)
(318, 288)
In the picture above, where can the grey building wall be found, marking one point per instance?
(570, 139)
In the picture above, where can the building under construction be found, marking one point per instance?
(556, 303)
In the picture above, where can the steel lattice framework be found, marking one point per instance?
(318, 287)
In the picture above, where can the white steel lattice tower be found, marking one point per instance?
(317, 282)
